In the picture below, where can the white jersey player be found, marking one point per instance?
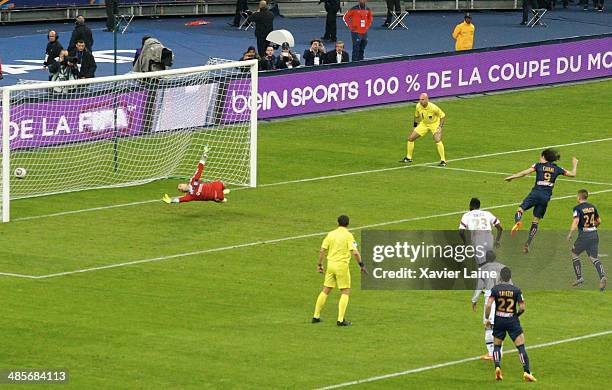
(480, 223)
(484, 286)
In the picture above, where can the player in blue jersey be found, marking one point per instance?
(509, 305)
(586, 220)
(546, 173)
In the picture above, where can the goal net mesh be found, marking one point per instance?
(124, 132)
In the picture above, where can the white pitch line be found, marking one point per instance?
(563, 178)
(63, 213)
(18, 275)
(455, 362)
(277, 240)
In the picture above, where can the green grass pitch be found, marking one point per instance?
(240, 317)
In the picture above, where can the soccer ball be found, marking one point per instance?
(20, 173)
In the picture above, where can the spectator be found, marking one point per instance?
(153, 57)
(112, 9)
(268, 61)
(81, 32)
(286, 59)
(64, 69)
(241, 6)
(314, 55)
(139, 50)
(464, 34)
(331, 7)
(391, 4)
(54, 48)
(359, 19)
(338, 55)
(86, 64)
(264, 24)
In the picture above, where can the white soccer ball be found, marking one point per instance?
(20, 173)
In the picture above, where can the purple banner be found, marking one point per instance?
(64, 121)
(333, 88)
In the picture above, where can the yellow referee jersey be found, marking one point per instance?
(339, 244)
(428, 115)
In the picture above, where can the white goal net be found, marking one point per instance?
(128, 130)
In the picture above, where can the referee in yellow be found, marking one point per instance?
(464, 34)
(427, 117)
(340, 246)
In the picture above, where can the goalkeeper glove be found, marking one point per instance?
(166, 199)
(205, 152)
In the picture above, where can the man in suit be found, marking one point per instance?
(331, 7)
(112, 9)
(241, 6)
(81, 32)
(264, 24)
(338, 55)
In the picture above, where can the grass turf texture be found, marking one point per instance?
(240, 318)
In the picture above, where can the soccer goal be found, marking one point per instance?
(129, 130)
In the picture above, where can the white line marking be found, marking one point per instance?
(18, 275)
(63, 213)
(455, 362)
(508, 174)
(276, 240)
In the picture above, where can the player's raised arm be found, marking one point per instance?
(520, 174)
(572, 173)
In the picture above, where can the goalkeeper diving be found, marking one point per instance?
(199, 190)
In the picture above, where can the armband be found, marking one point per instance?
(415, 124)
(361, 264)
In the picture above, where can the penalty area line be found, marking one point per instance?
(461, 361)
(319, 178)
(283, 239)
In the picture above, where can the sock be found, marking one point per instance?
(175, 200)
(489, 341)
(524, 358)
(577, 267)
(319, 305)
(342, 306)
(532, 232)
(497, 355)
(409, 149)
(440, 147)
(518, 216)
(599, 268)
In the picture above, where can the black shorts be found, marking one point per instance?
(538, 200)
(511, 325)
(589, 242)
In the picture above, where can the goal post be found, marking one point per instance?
(128, 130)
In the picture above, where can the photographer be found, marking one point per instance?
(250, 54)
(268, 61)
(64, 69)
(314, 56)
(86, 63)
(286, 59)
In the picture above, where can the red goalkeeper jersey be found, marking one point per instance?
(203, 191)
